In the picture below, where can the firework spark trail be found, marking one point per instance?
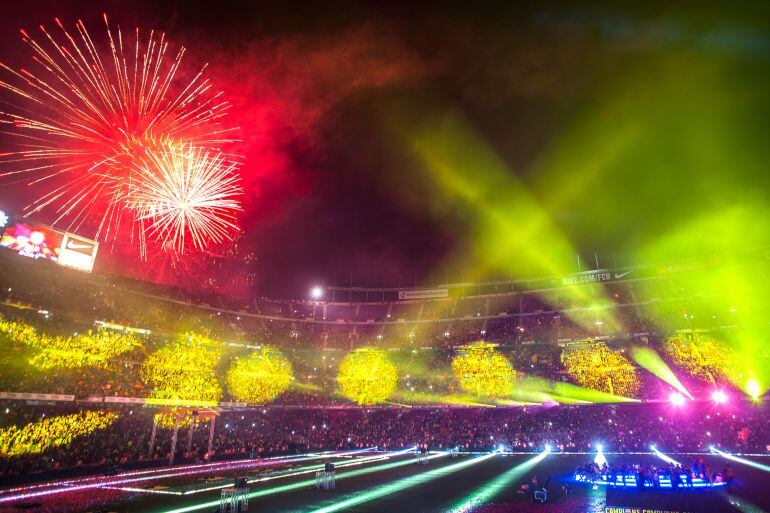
(95, 120)
(186, 191)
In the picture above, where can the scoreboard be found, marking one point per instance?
(38, 241)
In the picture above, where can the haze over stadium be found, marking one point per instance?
(369, 257)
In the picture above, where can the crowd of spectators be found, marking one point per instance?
(741, 428)
(426, 372)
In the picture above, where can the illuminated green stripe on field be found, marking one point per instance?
(297, 471)
(400, 485)
(308, 469)
(492, 488)
(311, 482)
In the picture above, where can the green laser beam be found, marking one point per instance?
(663, 456)
(493, 488)
(750, 463)
(731, 293)
(400, 485)
(650, 360)
(308, 482)
(307, 469)
(542, 390)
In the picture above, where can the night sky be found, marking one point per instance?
(323, 90)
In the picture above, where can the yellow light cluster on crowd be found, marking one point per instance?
(702, 356)
(600, 368)
(40, 436)
(93, 349)
(367, 376)
(183, 370)
(482, 371)
(260, 377)
(176, 417)
(18, 331)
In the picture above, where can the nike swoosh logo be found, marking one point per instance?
(618, 276)
(75, 245)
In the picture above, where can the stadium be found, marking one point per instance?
(371, 258)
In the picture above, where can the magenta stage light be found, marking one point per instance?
(676, 399)
(719, 396)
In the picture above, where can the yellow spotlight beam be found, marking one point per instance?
(512, 233)
(651, 360)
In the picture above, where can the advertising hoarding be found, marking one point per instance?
(78, 252)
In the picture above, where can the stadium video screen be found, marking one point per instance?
(33, 241)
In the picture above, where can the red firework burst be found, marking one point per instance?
(183, 193)
(90, 122)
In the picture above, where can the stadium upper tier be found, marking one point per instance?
(51, 343)
(572, 308)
